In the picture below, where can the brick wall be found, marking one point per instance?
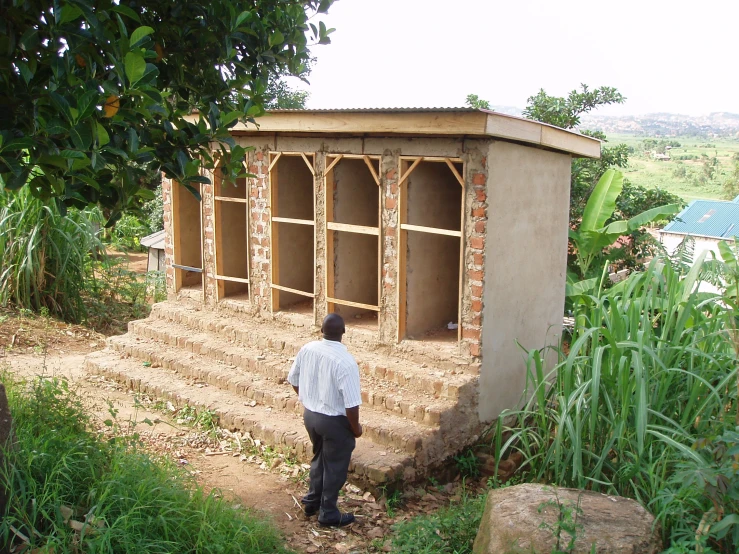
(168, 235)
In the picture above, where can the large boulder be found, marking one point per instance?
(531, 518)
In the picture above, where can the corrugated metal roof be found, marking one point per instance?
(707, 218)
(373, 110)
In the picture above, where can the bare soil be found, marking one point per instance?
(273, 484)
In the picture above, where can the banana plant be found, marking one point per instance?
(592, 237)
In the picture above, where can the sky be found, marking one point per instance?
(677, 56)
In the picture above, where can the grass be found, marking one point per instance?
(450, 530)
(643, 405)
(650, 173)
(71, 490)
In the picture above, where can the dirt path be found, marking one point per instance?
(266, 482)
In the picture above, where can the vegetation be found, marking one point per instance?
(643, 404)
(597, 230)
(99, 94)
(451, 530)
(697, 168)
(57, 264)
(72, 490)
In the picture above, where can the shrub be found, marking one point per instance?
(44, 254)
(650, 374)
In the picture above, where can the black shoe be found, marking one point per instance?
(310, 510)
(344, 519)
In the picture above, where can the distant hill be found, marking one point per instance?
(714, 125)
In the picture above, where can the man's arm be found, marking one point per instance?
(353, 415)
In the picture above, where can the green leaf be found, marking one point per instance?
(135, 67)
(81, 136)
(602, 201)
(67, 13)
(655, 214)
(145, 194)
(230, 116)
(139, 34)
(276, 38)
(102, 135)
(125, 10)
(581, 288)
(243, 16)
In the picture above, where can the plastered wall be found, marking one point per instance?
(526, 263)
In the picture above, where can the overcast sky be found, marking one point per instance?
(677, 56)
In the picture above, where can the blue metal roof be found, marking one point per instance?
(708, 218)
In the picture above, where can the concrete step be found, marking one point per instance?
(416, 405)
(379, 365)
(372, 463)
(391, 430)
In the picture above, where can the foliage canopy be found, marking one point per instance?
(98, 92)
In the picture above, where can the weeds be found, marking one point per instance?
(70, 490)
(450, 530)
(468, 464)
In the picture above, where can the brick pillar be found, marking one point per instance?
(209, 262)
(474, 256)
(389, 289)
(319, 237)
(168, 235)
(260, 243)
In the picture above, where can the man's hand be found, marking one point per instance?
(352, 415)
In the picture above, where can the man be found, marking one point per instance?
(326, 378)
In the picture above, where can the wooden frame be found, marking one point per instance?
(218, 240)
(178, 266)
(333, 226)
(407, 165)
(275, 287)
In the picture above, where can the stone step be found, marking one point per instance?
(384, 395)
(454, 384)
(371, 463)
(393, 426)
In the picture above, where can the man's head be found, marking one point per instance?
(333, 327)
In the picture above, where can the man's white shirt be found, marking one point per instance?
(327, 377)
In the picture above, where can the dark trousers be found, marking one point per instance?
(333, 443)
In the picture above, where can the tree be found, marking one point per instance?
(282, 96)
(474, 101)
(99, 93)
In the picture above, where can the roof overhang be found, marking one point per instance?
(447, 122)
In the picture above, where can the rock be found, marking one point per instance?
(525, 518)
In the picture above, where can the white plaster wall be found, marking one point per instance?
(702, 244)
(525, 266)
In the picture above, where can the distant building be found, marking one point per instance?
(707, 221)
(155, 244)
(661, 157)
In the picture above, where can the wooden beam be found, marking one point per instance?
(293, 220)
(274, 238)
(432, 230)
(353, 304)
(231, 199)
(234, 279)
(375, 176)
(359, 229)
(455, 172)
(404, 176)
(401, 284)
(294, 291)
(310, 165)
(333, 163)
(274, 160)
(188, 268)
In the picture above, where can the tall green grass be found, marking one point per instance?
(124, 500)
(640, 404)
(44, 254)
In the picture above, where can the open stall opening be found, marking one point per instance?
(430, 211)
(292, 226)
(187, 234)
(353, 238)
(232, 237)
